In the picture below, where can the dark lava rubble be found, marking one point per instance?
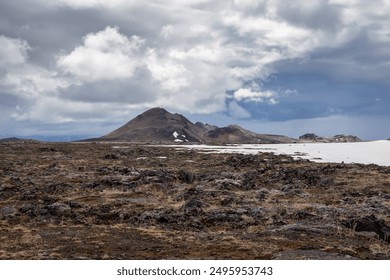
(127, 201)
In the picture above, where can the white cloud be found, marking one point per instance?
(89, 3)
(21, 78)
(12, 51)
(105, 55)
(167, 31)
(188, 84)
(247, 95)
(31, 81)
(172, 75)
(192, 78)
(54, 109)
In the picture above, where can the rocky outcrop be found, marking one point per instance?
(310, 137)
(340, 138)
(345, 138)
(370, 224)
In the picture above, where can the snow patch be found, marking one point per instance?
(175, 134)
(374, 152)
(141, 158)
(178, 141)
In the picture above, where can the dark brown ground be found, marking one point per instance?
(117, 201)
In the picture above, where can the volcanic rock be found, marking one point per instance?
(196, 206)
(370, 224)
(6, 212)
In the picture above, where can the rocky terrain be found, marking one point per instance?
(126, 201)
(340, 138)
(11, 140)
(160, 126)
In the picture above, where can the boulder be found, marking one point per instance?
(370, 224)
(8, 212)
(193, 207)
(59, 209)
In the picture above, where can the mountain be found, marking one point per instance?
(311, 137)
(346, 138)
(234, 134)
(160, 126)
(157, 125)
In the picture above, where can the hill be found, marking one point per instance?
(234, 134)
(341, 138)
(160, 126)
(157, 125)
(17, 140)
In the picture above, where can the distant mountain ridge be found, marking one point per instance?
(17, 140)
(160, 126)
(311, 137)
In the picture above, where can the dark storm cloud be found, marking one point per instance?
(361, 58)
(8, 102)
(314, 15)
(47, 30)
(324, 95)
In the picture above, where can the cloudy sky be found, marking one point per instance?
(72, 68)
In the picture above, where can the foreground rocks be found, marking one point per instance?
(117, 201)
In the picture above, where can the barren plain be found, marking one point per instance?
(128, 201)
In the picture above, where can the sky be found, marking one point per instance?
(72, 69)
